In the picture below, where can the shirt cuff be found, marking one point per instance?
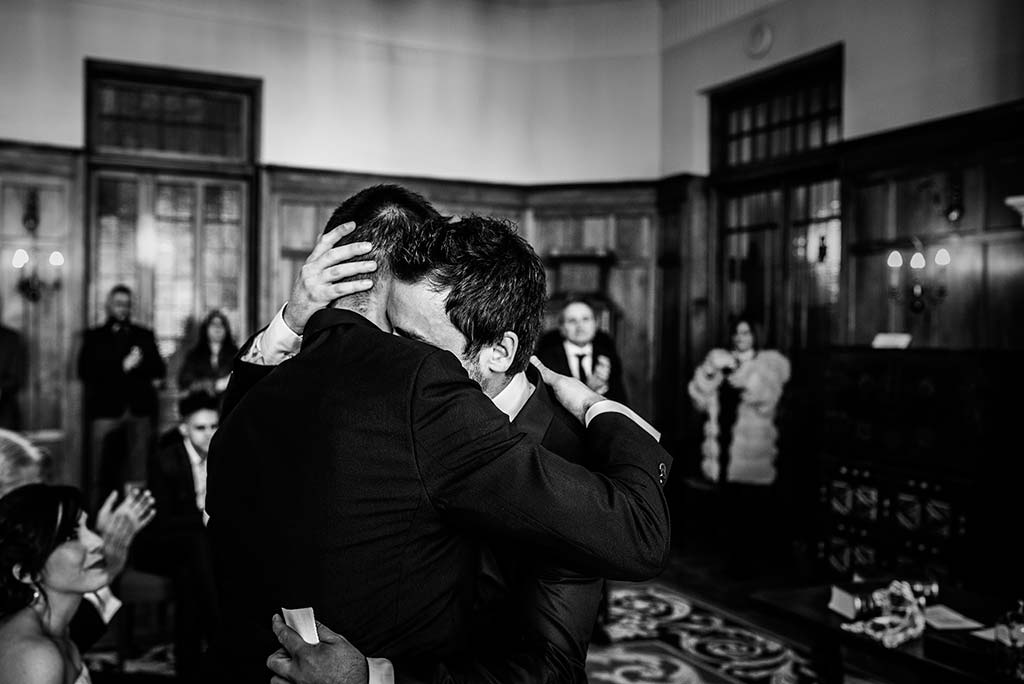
(609, 406)
(381, 671)
(105, 602)
(275, 344)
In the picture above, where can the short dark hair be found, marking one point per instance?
(198, 400)
(497, 282)
(120, 288)
(576, 299)
(34, 520)
(385, 215)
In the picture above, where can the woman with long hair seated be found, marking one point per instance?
(208, 364)
(49, 559)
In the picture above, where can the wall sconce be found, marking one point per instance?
(914, 287)
(30, 284)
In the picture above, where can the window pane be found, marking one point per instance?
(169, 120)
(117, 209)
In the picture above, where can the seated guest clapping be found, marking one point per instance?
(49, 559)
(22, 463)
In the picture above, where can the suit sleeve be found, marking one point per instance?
(243, 377)
(480, 475)
(88, 370)
(87, 626)
(155, 368)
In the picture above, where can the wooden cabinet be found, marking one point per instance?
(907, 449)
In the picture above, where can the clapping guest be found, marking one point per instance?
(121, 368)
(49, 559)
(208, 364)
(578, 348)
(21, 464)
(739, 389)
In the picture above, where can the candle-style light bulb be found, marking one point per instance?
(942, 257)
(917, 261)
(895, 259)
(19, 259)
(56, 258)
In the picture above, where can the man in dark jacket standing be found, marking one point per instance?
(120, 369)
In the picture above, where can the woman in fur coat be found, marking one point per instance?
(739, 390)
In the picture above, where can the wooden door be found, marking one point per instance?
(40, 275)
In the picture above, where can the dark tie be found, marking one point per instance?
(583, 373)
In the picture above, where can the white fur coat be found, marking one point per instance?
(752, 450)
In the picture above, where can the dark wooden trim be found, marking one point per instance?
(819, 58)
(157, 165)
(959, 139)
(130, 71)
(510, 187)
(39, 148)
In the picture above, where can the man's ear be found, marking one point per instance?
(181, 430)
(501, 354)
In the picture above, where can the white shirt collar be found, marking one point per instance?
(575, 349)
(514, 396)
(193, 455)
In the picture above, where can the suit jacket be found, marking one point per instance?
(551, 352)
(109, 391)
(13, 374)
(536, 619)
(170, 540)
(358, 476)
(170, 479)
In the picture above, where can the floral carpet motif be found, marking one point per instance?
(662, 637)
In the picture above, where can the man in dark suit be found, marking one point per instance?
(358, 477)
(177, 544)
(120, 369)
(532, 621)
(13, 373)
(579, 349)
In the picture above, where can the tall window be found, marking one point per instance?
(172, 161)
(775, 173)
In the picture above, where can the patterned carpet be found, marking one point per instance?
(660, 636)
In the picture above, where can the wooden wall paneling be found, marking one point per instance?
(1004, 178)
(955, 322)
(51, 403)
(1005, 301)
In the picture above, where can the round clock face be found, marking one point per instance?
(759, 40)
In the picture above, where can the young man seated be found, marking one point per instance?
(178, 545)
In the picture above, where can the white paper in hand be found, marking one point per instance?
(302, 621)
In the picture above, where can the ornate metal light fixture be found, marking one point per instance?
(30, 285)
(913, 285)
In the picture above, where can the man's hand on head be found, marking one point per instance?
(318, 282)
(575, 396)
(333, 661)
